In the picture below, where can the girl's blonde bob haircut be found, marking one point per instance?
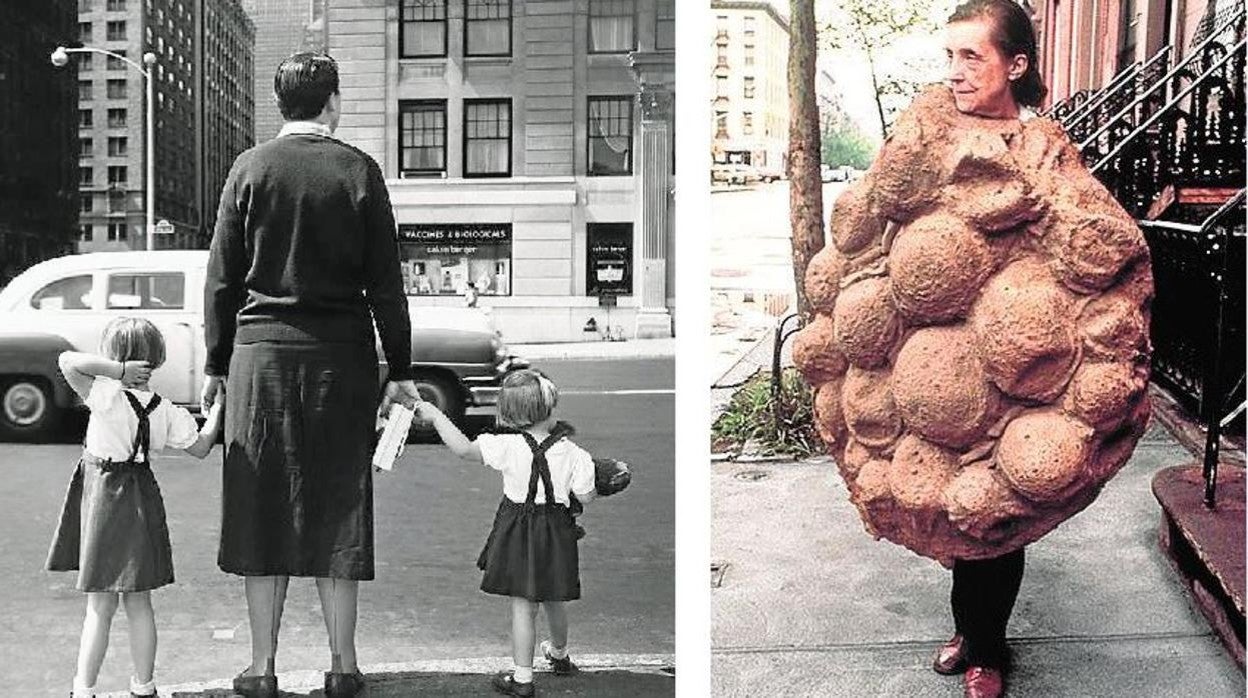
(527, 398)
(133, 339)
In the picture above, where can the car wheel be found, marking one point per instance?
(28, 410)
(444, 393)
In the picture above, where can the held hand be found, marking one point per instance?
(403, 392)
(135, 373)
(427, 411)
(213, 392)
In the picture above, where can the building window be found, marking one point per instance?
(116, 30)
(116, 118)
(86, 147)
(84, 91)
(749, 54)
(85, 118)
(747, 123)
(423, 28)
(608, 259)
(665, 25)
(116, 231)
(84, 32)
(442, 260)
(86, 203)
(487, 138)
(487, 28)
(117, 89)
(610, 135)
(84, 230)
(116, 5)
(749, 26)
(721, 86)
(117, 146)
(86, 176)
(117, 202)
(612, 25)
(84, 5)
(422, 137)
(117, 175)
(749, 87)
(721, 55)
(85, 62)
(117, 63)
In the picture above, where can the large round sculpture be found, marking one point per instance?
(979, 352)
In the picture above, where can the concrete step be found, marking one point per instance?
(1206, 546)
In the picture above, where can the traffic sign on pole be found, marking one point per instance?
(164, 227)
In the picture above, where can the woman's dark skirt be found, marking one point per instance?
(297, 486)
(112, 529)
(531, 555)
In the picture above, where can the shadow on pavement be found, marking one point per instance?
(606, 684)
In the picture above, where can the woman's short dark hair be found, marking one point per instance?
(303, 84)
(1013, 34)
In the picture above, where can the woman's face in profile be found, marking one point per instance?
(978, 72)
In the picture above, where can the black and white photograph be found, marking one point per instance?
(337, 347)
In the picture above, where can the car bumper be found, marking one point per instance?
(483, 390)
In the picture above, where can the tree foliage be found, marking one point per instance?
(845, 144)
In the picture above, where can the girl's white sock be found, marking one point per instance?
(522, 674)
(143, 689)
(81, 690)
(556, 652)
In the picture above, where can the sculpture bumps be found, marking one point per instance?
(979, 346)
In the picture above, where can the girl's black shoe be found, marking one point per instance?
(343, 685)
(505, 682)
(264, 686)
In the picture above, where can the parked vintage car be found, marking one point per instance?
(733, 173)
(64, 303)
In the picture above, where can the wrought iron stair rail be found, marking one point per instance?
(1201, 145)
(1075, 112)
(1063, 109)
(1198, 330)
(1136, 80)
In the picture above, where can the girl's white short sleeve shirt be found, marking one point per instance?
(571, 467)
(112, 426)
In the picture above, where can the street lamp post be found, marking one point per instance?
(60, 57)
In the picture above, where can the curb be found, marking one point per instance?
(590, 351)
(309, 680)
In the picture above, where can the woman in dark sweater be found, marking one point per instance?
(304, 261)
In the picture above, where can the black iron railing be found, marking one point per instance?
(1198, 319)
(1066, 107)
(1126, 88)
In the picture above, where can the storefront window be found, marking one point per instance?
(443, 259)
(609, 259)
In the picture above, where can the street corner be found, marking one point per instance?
(598, 675)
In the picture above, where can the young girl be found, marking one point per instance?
(530, 554)
(112, 528)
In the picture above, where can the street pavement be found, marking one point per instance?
(423, 623)
(810, 605)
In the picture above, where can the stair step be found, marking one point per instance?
(1172, 195)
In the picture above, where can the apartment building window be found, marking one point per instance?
(612, 26)
(86, 147)
(721, 124)
(84, 232)
(747, 123)
(84, 5)
(422, 137)
(116, 118)
(84, 90)
(116, 231)
(665, 25)
(117, 63)
(117, 175)
(749, 54)
(86, 118)
(116, 30)
(749, 26)
(86, 176)
(748, 82)
(487, 27)
(116, 5)
(487, 138)
(117, 202)
(444, 259)
(85, 62)
(721, 55)
(84, 32)
(117, 89)
(610, 135)
(721, 86)
(118, 146)
(86, 203)
(423, 28)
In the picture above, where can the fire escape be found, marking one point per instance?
(1166, 138)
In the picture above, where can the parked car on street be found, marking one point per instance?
(733, 173)
(768, 173)
(835, 174)
(64, 303)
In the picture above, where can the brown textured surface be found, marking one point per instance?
(980, 342)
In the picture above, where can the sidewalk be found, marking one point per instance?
(809, 604)
(658, 348)
(601, 675)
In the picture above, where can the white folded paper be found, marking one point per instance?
(393, 437)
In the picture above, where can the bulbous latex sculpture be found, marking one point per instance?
(979, 350)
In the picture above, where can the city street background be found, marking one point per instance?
(432, 515)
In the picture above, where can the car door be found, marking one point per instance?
(165, 297)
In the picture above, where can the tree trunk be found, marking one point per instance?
(875, 91)
(805, 183)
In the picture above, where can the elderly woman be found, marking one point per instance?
(304, 261)
(994, 73)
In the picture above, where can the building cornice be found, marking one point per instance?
(752, 5)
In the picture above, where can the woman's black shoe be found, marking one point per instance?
(343, 685)
(264, 686)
